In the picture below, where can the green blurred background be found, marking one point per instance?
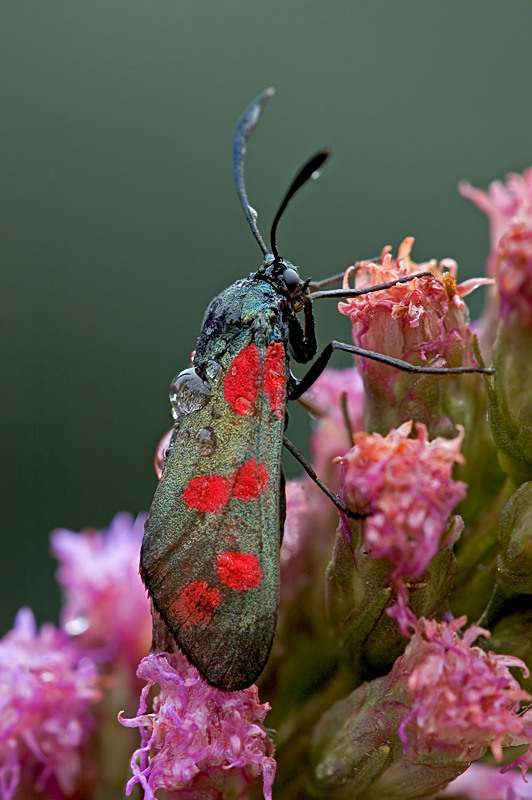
(120, 220)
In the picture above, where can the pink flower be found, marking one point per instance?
(296, 509)
(405, 486)
(425, 318)
(514, 278)
(424, 322)
(198, 740)
(505, 204)
(462, 699)
(484, 782)
(331, 435)
(509, 208)
(46, 691)
(302, 554)
(106, 606)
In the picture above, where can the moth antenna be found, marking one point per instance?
(309, 170)
(244, 128)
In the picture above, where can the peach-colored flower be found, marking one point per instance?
(463, 698)
(405, 486)
(423, 321)
(505, 204)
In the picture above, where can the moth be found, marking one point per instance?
(210, 554)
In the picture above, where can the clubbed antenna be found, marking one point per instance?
(310, 170)
(244, 128)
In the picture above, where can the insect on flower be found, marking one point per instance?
(210, 555)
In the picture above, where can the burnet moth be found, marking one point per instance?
(210, 554)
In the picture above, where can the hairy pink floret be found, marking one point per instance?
(406, 487)
(198, 740)
(46, 690)
(105, 602)
(462, 697)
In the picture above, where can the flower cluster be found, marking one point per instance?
(406, 527)
(506, 327)
(62, 689)
(46, 693)
(424, 318)
(198, 739)
(462, 697)
(376, 686)
(506, 204)
(94, 570)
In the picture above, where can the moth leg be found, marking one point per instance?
(339, 293)
(341, 506)
(300, 387)
(303, 339)
(314, 286)
(282, 505)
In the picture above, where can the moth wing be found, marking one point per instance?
(210, 555)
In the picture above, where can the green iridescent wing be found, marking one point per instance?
(210, 555)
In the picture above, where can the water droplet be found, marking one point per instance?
(213, 371)
(77, 626)
(188, 393)
(243, 406)
(205, 440)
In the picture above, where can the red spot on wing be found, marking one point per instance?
(196, 603)
(207, 493)
(210, 493)
(250, 480)
(240, 571)
(274, 377)
(242, 380)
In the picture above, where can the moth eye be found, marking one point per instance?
(188, 393)
(291, 279)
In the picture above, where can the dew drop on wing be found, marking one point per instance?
(188, 393)
(205, 440)
(77, 626)
(243, 406)
(213, 371)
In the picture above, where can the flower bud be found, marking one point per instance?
(513, 634)
(351, 743)
(409, 733)
(515, 557)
